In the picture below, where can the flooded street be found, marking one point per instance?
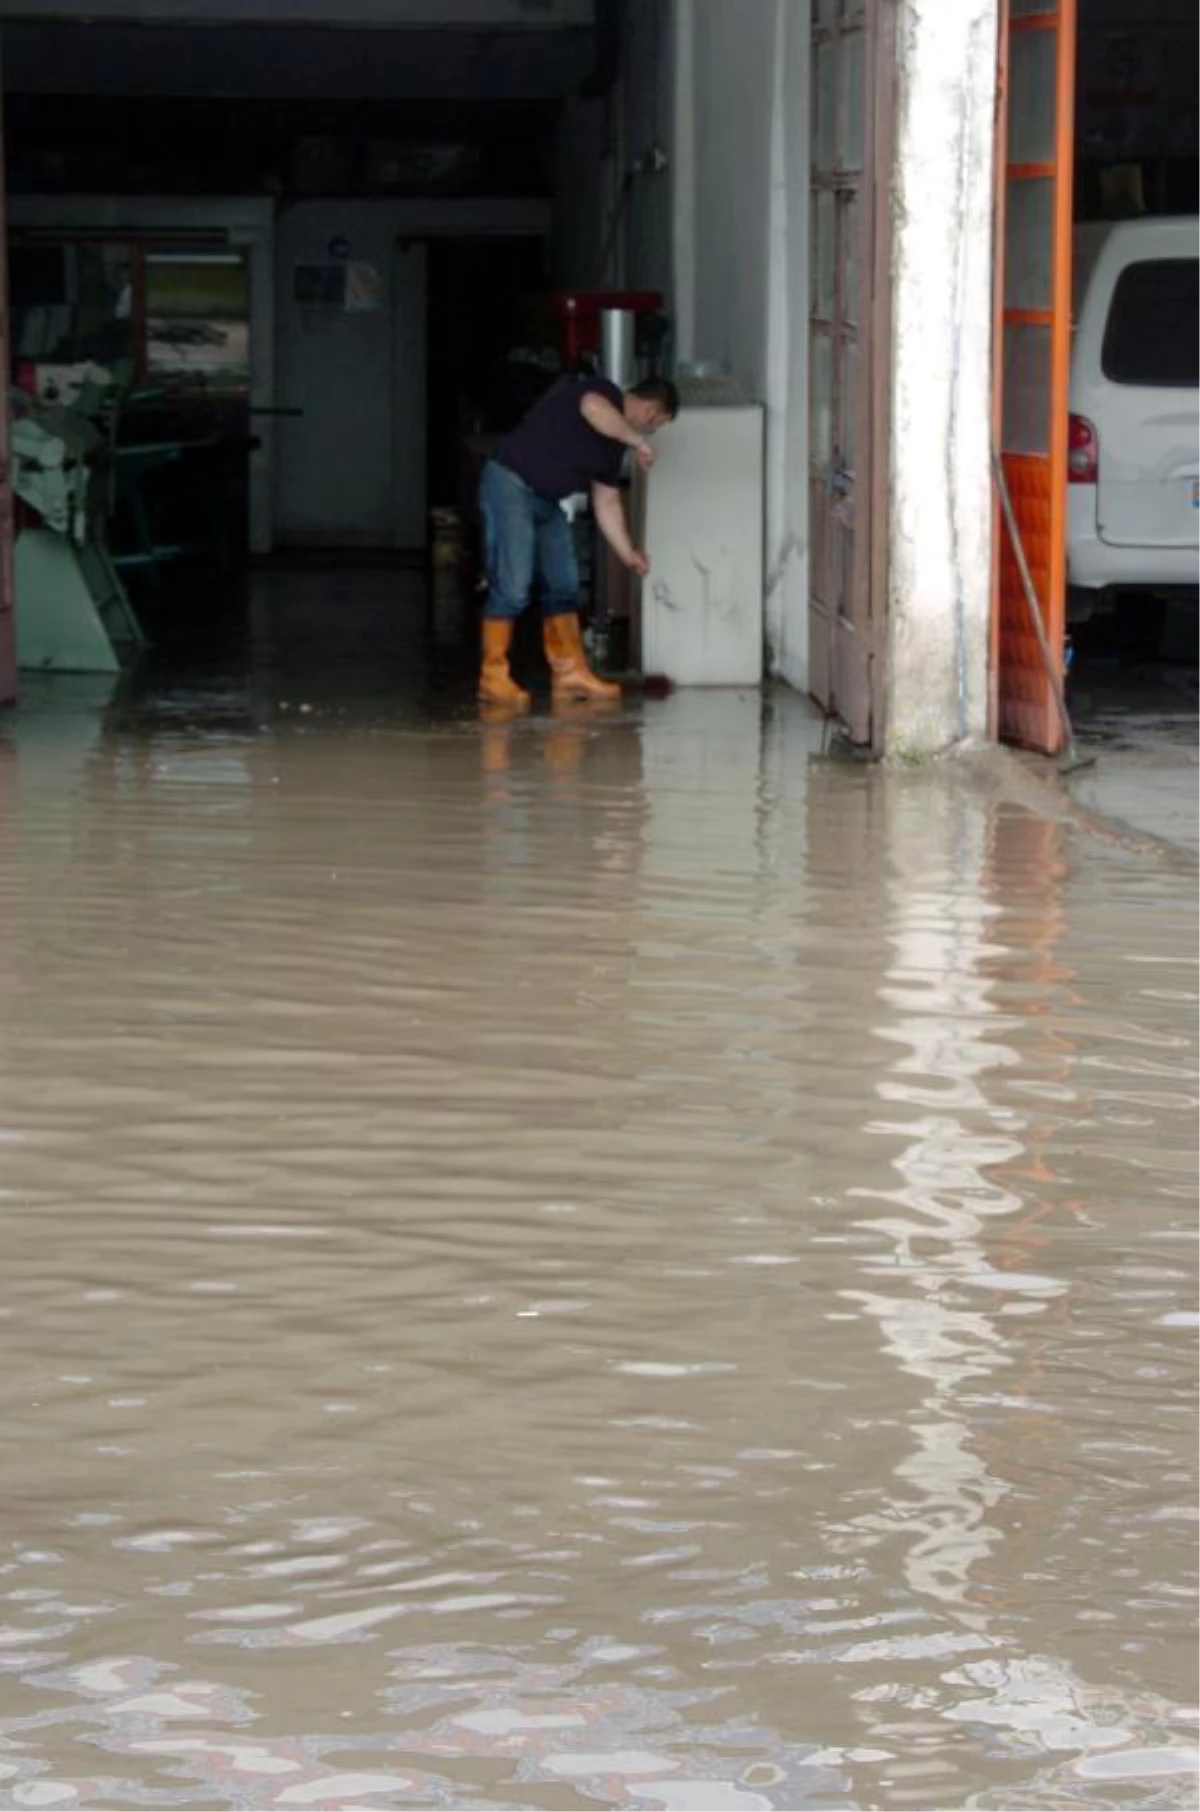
(610, 1261)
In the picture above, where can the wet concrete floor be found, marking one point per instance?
(1138, 720)
(602, 1261)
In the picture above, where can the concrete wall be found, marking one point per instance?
(612, 210)
(786, 390)
(741, 179)
(720, 86)
(646, 103)
(733, 47)
(940, 515)
(741, 256)
(584, 184)
(741, 150)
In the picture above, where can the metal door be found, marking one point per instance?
(8, 621)
(1033, 364)
(351, 464)
(851, 144)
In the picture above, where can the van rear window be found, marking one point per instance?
(1153, 330)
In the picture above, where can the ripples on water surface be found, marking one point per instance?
(601, 1264)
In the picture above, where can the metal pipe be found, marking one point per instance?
(1072, 756)
(617, 351)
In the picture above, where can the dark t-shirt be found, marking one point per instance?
(555, 450)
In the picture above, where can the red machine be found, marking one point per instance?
(579, 310)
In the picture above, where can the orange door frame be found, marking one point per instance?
(1022, 699)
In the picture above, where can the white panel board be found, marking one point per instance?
(702, 606)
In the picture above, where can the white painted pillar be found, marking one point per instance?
(940, 506)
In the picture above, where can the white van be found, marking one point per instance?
(1133, 506)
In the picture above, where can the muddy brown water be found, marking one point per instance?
(599, 1262)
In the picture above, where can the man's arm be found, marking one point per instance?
(608, 420)
(609, 512)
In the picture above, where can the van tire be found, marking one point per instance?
(1081, 604)
(1141, 620)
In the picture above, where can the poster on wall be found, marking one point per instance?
(341, 287)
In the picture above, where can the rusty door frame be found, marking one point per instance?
(857, 638)
(881, 50)
(1061, 17)
(8, 614)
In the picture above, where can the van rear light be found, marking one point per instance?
(1083, 452)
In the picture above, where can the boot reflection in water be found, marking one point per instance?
(574, 719)
(496, 726)
(564, 743)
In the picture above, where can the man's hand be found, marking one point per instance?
(610, 519)
(644, 455)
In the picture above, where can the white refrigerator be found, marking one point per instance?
(700, 513)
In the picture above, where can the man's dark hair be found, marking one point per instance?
(659, 390)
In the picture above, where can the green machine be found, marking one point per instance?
(73, 612)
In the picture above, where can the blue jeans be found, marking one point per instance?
(526, 537)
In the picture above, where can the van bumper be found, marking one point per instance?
(1095, 565)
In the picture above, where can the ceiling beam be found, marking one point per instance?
(441, 15)
(260, 64)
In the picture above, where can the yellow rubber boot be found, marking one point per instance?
(570, 675)
(496, 684)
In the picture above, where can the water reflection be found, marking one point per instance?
(587, 1259)
(942, 1298)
